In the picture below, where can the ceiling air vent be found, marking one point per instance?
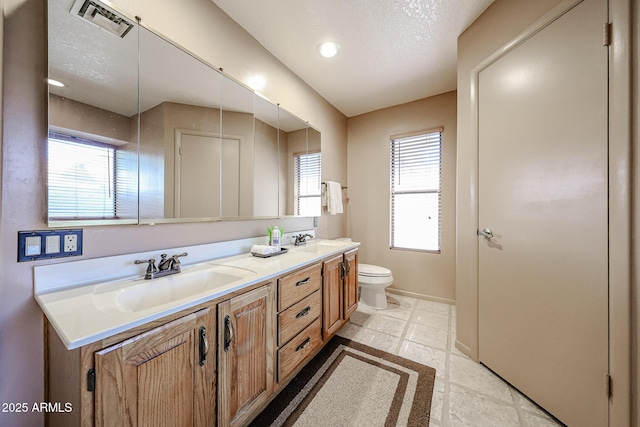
(100, 15)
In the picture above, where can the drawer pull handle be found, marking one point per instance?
(304, 344)
(303, 282)
(303, 312)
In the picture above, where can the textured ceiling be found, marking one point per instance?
(392, 51)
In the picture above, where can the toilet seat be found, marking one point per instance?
(368, 270)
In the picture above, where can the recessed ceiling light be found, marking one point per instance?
(328, 49)
(55, 83)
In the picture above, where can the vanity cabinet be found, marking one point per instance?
(299, 331)
(245, 355)
(340, 291)
(163, 374)
(162, 377)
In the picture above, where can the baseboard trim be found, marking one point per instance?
(464, 349)
(420, 296)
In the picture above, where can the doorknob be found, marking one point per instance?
(486, 233)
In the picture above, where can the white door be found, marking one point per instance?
(543, 276)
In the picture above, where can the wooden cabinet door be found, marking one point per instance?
(245, 354)
(163, 377)
(332, 296)
(350, 283)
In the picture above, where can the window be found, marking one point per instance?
(415, 191)
(307, 195)
(81, 178)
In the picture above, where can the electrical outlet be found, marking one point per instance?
(70, 242)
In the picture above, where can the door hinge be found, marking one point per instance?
(606, 34)
(607, 384)
(91, 380)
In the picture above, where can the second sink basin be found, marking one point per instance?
(321, 246)
(145, 294)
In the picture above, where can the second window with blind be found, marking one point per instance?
(415, 191)
(306, 186)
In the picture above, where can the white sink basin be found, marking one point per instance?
(321, 246)
(139, 294)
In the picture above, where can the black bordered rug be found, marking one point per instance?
(351, 384)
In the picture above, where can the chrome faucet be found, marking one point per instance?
(166, 266)
(301, 239)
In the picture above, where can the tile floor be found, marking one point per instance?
(466, 393)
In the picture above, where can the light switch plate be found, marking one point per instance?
(52, 244)
(41, 244)
(33, 246)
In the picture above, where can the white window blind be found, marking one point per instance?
(307, 191)
(81, 178)
(415, 191)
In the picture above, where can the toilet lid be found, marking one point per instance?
(373, 270)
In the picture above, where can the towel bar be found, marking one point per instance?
(342, 186)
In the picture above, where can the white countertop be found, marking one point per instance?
(86, 314)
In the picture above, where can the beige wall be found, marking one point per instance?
(152, 165)
(89, 120)
(199, 26)
(502, 22)
(423, 274)
(267, 182)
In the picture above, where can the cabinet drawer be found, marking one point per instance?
(298, 316)
(297, 350)
(295, 286)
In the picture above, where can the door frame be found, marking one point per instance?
(620, 204)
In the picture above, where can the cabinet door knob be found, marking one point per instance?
(204, 345)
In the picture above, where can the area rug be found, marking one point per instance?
(351, 384)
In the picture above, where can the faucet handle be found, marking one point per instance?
(151, 268)
(175, 259)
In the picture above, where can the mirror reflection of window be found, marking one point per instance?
(81, 178)
(307, 181)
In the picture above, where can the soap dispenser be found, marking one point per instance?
(275, 238)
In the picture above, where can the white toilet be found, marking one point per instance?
(373, 280)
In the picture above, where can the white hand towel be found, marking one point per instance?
(333, 197)
(263, 249)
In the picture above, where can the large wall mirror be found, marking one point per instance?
(142, 131)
